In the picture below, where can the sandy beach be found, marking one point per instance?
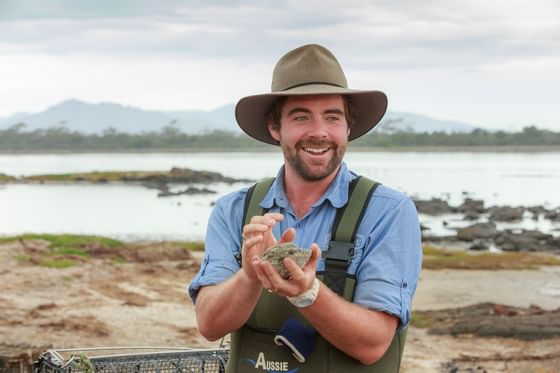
(143, 302)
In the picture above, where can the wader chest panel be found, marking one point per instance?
(252, 346)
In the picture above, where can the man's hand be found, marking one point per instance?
(300, 281)
(257, 237)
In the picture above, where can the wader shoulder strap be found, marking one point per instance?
(255, 195)
(345, 225)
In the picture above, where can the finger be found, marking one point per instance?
(273, 278)
(252, 241)
(269, 219)
(258, 267)
(297, 275)
(312, 262)
(253, 229)
(289, 235)
(275, 215)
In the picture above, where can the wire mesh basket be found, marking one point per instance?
(167, 361)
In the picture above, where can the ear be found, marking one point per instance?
(274, 131)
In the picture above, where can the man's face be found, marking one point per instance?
(313, 134)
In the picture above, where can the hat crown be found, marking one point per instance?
(309, 64)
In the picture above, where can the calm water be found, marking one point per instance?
(133, 212)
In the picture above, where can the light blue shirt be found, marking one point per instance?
(387, 257)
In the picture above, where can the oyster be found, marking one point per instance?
(276, 254)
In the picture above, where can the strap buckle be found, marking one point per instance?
(339, 251)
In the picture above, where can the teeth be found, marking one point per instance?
(316, 150)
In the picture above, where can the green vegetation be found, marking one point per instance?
(529, 136)
(66, 250)
(22, 258)
(4, 178)
(66, 241)
(435, 258)
(69, 251)
(57, 263)
(421, 320)
(95, 176)
(62, 249)
(16, 139)
(191, 246)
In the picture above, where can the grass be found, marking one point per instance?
(88, 176)
(69, 251)
(65, 241)
(421, 320)
(65, 250)
(191, 246)
(61, 245)
(57, 263)
(96, 176)
(4, 178)
(22, 258)
(435, 258)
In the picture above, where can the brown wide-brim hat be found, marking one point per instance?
(309, 70)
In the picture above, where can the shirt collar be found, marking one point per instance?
(336, 194)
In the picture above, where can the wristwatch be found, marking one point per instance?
(306, 298)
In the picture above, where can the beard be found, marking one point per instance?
(307, 171)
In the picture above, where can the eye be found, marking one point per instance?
(333, 118)
(300, 118)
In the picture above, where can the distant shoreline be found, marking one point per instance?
(351, 149)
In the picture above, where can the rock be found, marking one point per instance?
(471, 215)
(472, 206)
(435, 206)
(189, 191)
(526, 240)
(537, 210)
(275, 255)
(495, 320)
(478, 230)
(506, 213)
(479, 246)
(553, 215)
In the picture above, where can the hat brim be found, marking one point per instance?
(369, 107)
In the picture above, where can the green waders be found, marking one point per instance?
(252, 346)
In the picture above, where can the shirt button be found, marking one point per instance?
(404, 285)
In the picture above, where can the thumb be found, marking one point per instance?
(315, 255)
(288, 236)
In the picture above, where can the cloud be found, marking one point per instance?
(383, 33)
(448, 52)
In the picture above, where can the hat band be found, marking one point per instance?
(310, 83)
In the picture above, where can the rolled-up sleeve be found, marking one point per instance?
(221, 245)
(388, 273)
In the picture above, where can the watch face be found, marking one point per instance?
(308, 298)
(304, 301)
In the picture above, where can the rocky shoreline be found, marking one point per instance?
(164, 182)
(124, 294)
(481, 231)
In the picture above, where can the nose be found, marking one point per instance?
(318, 128)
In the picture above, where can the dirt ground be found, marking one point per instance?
(143, 302)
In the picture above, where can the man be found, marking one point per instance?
(312, 115)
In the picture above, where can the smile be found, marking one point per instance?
(316, 151)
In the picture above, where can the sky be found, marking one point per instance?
(491, 63)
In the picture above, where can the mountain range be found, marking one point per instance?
(76, 115)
